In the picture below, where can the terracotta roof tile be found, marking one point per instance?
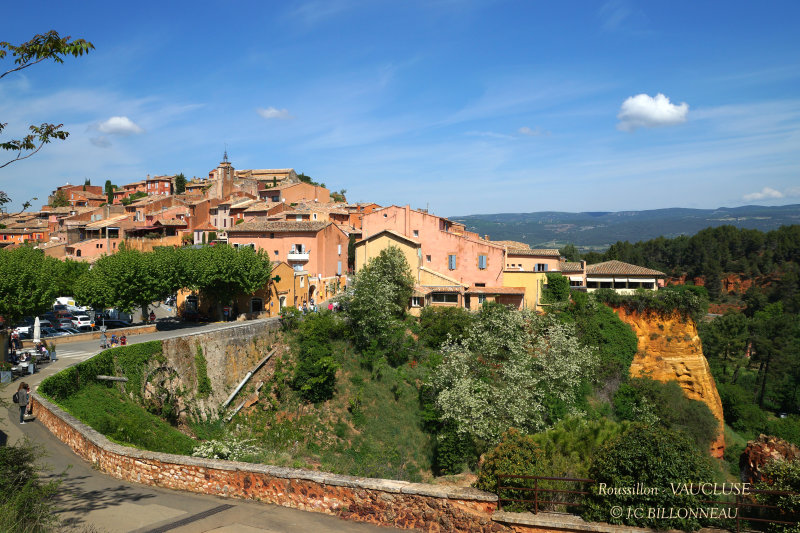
(280, 225)
(496, 290)
(541, 252)
(570, 266)
(615, 267)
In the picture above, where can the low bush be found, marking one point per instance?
(453, 453)
(653, 458)
(740, 410)
(557, 288)
(782, 476)
(664, 403)
(786, 428)
(26, 501)
(663, 302)
(436, 323)
(516, 454)
(315, 371)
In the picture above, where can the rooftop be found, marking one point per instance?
(615, 267)
(278, 225)
(537, 252)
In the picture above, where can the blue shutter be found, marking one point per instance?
(452, 261)
(482, 262)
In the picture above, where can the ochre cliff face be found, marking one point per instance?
(670, 350)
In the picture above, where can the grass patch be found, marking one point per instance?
(111, 413)
(371, 427)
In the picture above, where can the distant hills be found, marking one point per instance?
(598, 230)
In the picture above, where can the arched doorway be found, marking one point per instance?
(256, 305)
(281, 303)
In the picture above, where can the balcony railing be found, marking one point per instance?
(298, 255)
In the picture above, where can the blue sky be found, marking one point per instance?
(466, 107)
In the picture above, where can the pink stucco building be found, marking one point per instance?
(319, 248)
(444, 246)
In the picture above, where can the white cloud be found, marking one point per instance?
(271, 112)
(525, 130)
(645, 111)
(763, 194)
(119, 126)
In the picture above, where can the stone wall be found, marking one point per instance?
(230, 354)
(379, 501)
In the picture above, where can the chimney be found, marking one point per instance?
(583, 264)
(485, 237)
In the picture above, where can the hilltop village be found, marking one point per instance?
(313, 236)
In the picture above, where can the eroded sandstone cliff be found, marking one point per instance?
(669, 349)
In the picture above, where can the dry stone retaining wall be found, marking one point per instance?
(379, 501)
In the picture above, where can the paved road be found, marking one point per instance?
(91, 499)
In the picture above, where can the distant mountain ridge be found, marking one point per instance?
(598, 230)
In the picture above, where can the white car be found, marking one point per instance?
(82, 321)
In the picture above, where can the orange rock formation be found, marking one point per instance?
(669, 350)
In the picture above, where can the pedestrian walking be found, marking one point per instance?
(23, 397)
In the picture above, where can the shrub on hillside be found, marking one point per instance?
(508, 371)
(557, 288)
(665, 404)
(600, 328)
(516, 454)
(740, 410)
(26, 502)
(315, 371)
(654, 458)
(663, 302)
(453, 453)
(436, 323)
(786, 428)
(381, 293)
(782, 476)
(290, 318)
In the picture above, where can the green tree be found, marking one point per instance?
(557, 288)
(59, 199)
(109, 190)
(783, 476)
(180, 183)
(221, 272)
(511, 369)
(725, 343)
(439, 323)
(664, 404)
(351, 252)
(381, 293)
(26, 286)
(67, 275)
(315, 372)
(126, 280)
(42, 47)
(653, 458)
(570, 252)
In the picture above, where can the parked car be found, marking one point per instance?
(69, 330)
(52, 332)
(82, 321)
(64, 323)
(114, 324)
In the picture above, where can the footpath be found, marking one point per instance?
(91, 501)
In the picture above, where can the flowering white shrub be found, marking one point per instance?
(507, 370)
(231, 449)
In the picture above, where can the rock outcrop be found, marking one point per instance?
(669, 349)
(761, 451)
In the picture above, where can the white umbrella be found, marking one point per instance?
(37, 330)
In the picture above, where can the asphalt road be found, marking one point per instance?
(93, 501)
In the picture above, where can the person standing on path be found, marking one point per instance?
(23, 394)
